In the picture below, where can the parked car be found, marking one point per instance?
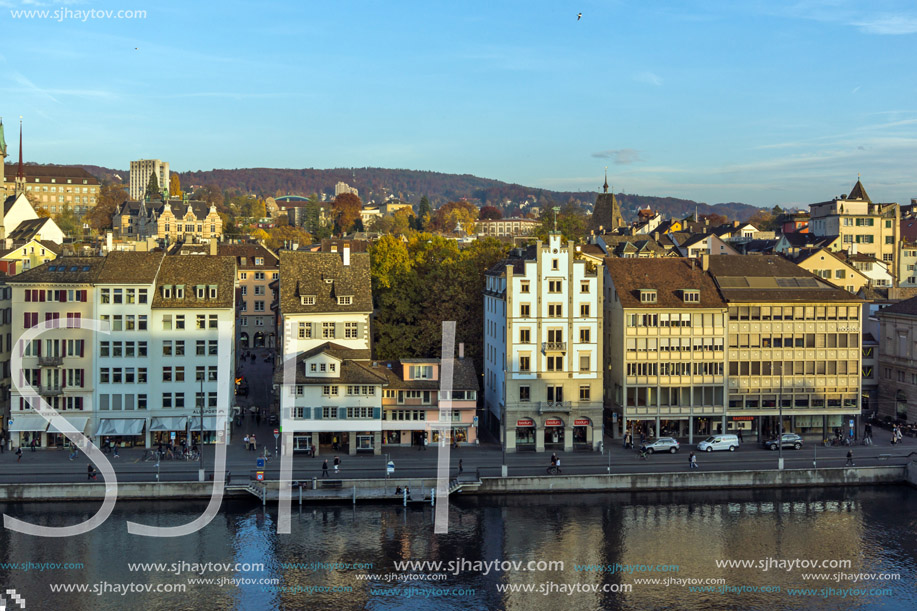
(719, 442)
(272, 420)
(663, 444)
(789, 440)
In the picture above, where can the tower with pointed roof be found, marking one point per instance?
(859, 192)
(607, 213)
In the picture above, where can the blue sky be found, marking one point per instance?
(761, 102)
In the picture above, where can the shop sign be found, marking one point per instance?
(525, 422)
(743, 418)
(553, 422)
(581, 422)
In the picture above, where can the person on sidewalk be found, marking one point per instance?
(245, 439)
(337, 464)
(460, 466)
(254, 443)
(693, 460)
(557, 464)
(90, 472)
(115, 450)
(849, 459)
(74, 451)
(19, 454)
(325, 468)
(424, 443)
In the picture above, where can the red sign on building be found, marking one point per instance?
(525, 422)
(553, 422)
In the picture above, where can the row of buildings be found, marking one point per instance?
(576, 345)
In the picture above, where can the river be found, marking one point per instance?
(590, 551)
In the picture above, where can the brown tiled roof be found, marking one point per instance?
(859, 192)
(324, 276)
(763, 278)
(245, 255)
(463, 375)
(130, 267)
(668, 276)
(28, 229)
(33, 171)
(192, 270)
(907, 307)
(52, 246)
(338, 245)
(200, 209)
(353, 370)
(63, 270)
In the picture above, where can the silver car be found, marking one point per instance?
(663, 444)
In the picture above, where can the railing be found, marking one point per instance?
(554, 346)
(50, 361)
(48, 391)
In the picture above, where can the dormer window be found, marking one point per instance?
(212, 291)
(180, 291)
(259, 260)
(199, 291)
(690, 295)
(345, 300)
(307, 300)
(647, 295)
(167, 291)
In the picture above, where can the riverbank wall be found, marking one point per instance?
(379, 490)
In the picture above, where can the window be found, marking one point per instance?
(105, 296)
(180, 374)
(421, 372)
(327, 330)
(584, 286)
(691, 296)
(259, 275)
(167, 348)
(524, 286)
(305, 330)
(525, 310)
(584, 309)
(179, 321)
(555, 310)
(213, 321)
(555, 264)
(345, 300)
(212, 347)
(307, 300)
(555, 363)
(584, 362)
(525, 336)
(167, 322)
(585, 393)
(584, 335)
(329, 412)
(350, 330)
(524, 394)
(166, 374)
(555, 286)
(259, 306)
(330, 391)
(525, 363)
(259, 290)
(648, 296)
(201, 322)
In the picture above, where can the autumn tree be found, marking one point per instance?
(210, 194)
(285, 235)
(346, 211)
(68, 222)
(490, 213)
(175, 186)
(111, 196)
(452, 216)
(763, 220)
(714, 219)
(152, 188)
(571, 223)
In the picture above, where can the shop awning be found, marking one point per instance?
(121, 426)
(210, 423)
(169, 423)
(77, 422)
(28, 423)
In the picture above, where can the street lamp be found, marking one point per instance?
(200, 453)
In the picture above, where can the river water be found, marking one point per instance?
(677, 537)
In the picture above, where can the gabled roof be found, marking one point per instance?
(63, 270)
(859, 192)
(324, 276)
(124, 267)
(352, 371)
(47, 172)
(245, 255)
(26, 230)
(668, 277)
(9, 201)
(192, 271)
(463, 375)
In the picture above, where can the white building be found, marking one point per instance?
(140, 176)
(543, 349)
(343, 187)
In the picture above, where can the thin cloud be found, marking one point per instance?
(649, 78)
(893, 25)
(620, 156)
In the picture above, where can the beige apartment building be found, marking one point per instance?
(188, 221)
(833, 268)
(898, 362)
(257, 267)
(793, 348)
(57, 187)
(863, 226)
(665, 351)
(140, 176)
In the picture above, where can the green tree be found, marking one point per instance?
(152, 188)
(424, 213)
(68, 221)
(571, 223)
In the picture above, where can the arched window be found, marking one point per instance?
(243, 340)
(901, 405)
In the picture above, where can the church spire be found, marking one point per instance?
(605, 186)
(20, 176)
(2, 140)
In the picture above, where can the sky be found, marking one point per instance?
(767, 103)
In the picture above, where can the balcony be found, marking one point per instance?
(554, 406)
(50, 361)
(553, 347)
(49, 391)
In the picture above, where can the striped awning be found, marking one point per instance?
(77, 422)
(121, 426)
(169, 423)
(28, 423)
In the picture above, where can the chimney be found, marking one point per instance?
(705, 262)
(108, 242)
(214, 249)
(346, 255)
(461, 350)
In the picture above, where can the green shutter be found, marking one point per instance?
(318, 413)
(377, 413)
(342, 413)
(307, 413)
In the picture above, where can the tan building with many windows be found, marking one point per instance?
(188, 221)
(55, 187)
(141, 170)
(257, 267)
(664, 349)
(833, 268)
(793, 347)
(898, 362)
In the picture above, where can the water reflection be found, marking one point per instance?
(872, 528)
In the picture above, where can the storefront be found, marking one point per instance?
(394, 438)
(460, 434)
(56, 438)
(302, 442)
(553, 432)
(581, 432)
(365, 441)
(124, 432)
(212, 433)
(168, 430)
(27, 428)
(746, 426)
(525, 434)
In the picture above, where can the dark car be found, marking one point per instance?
(789, 440)
(242, 389)
(663, 444)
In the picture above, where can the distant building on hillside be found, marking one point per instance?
(140, 176)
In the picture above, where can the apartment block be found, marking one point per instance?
(257, 268)
(898, 362)
(542, 349)
(141, 170)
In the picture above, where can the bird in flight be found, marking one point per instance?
(579, 16)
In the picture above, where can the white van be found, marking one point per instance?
(719, 442)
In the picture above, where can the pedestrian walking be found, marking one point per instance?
(115, 450)
(849, 459)
(337, 464)
(460, 466)
(693, 460)
(424, 443)
(90, 472)
(898, 433)
(557, 464)
(325, 468)
(245, 439)
(740, 435)
(254, 443)
(19, 454)
(32, 444)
